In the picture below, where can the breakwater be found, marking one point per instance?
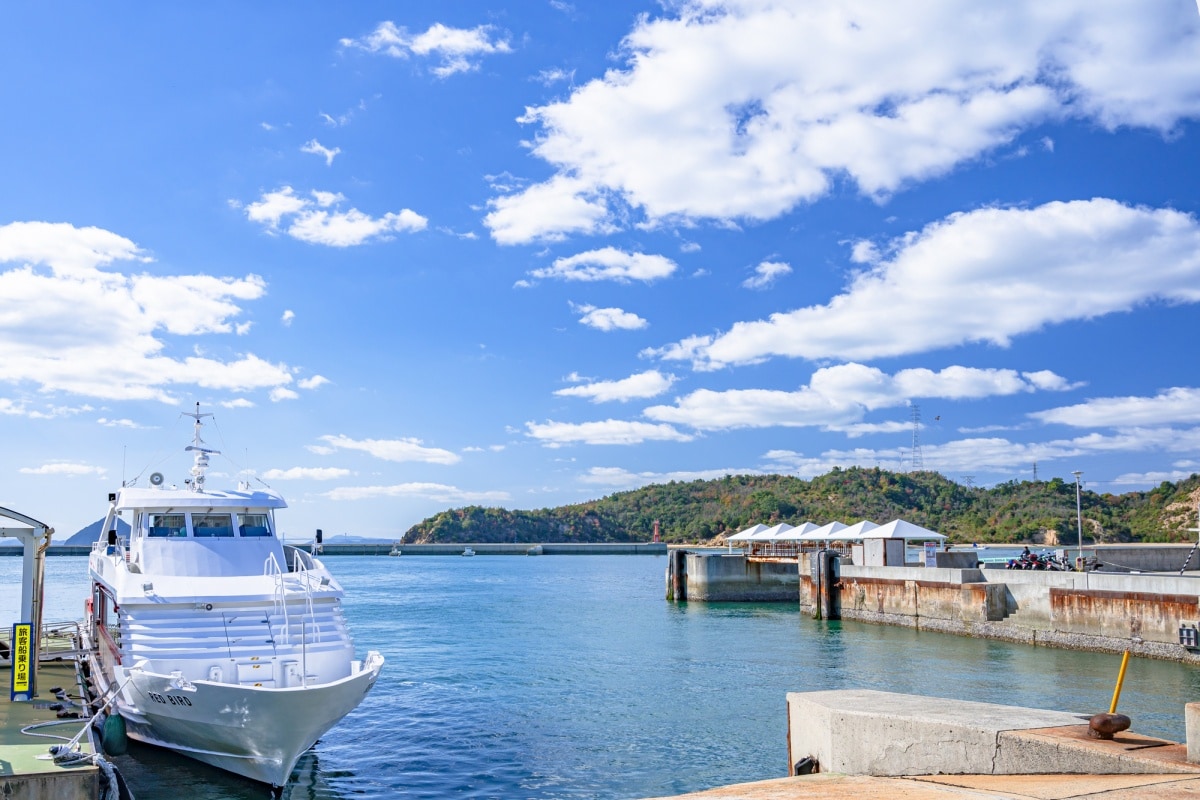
(383, 548)
(1154, 615)
(494, 549)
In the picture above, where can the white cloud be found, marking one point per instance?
(549, 211)
(766, 274)
(316, 219)
(1153, 478)
(315, 382)
(458, 49)
(608, 263)
(609, 319)
(61, 348)
(280, 393)
(837, 398)
(22, 409)
(1049, 381)
(394, 449)
(1171, 406)
(742, 109)
(67, 250)
(620, 478)
(980, 276)
(119, 423)
(316, 148)
(288, 317)
(64, 469)
(549, 77)
(437, 492)
(305, 473)
(995, 455)
(651, 383)
(611, 431)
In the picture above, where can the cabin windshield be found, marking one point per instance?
(212, 525)
(210, 542)
(207, 525)
(253, 525)
(167, 525)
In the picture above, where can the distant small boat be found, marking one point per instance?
(395, 550)
(468, 552)
(536, 550)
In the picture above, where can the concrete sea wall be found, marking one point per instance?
(1149, 615)
(1095, 611)
(721, 577)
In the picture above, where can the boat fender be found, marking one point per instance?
(806, 766)
(113, 737)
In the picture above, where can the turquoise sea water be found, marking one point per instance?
(571, 677)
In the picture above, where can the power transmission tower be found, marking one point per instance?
(969, 481)
(918, 461)
(1035, 472)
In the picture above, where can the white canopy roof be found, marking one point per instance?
(823, 533)
(899, 529)
(797, 533)
(742, 536)
(771, 533)
(856, 531)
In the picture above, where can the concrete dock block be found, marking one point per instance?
(1191, 720)
(865, 732)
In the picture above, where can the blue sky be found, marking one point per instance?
(415, 257)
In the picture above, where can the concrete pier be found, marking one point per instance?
(25, 771)
(866, 732)
(1150, 615)
(722, 577)
(864, 744)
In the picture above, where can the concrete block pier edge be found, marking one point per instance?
(865, 732)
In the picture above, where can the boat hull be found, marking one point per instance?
(259, 733)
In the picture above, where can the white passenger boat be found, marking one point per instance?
(210, 636)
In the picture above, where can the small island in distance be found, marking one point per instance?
(705, 511)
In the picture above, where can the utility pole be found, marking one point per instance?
(1079, 519)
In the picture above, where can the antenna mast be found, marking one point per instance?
(200, 460)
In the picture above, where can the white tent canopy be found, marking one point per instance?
(856, 531)
(823, 533)
(797, 533)
(899, 529)
(742, 536)
(771, 533)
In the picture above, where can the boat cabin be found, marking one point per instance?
(188, 533)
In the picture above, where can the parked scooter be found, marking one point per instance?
(1038, 561)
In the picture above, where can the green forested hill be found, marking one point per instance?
(700, 511)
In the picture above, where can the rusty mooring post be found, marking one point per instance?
(830, 597)
(677, 576)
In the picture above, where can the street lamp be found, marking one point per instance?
(1079, 520)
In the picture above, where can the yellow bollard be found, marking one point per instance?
(1112, 709)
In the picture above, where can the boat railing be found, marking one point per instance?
(271, 567)
(301, 561)
(303, 583)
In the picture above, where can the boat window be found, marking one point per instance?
(212, 525)
(167, 525)
(253, 525)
